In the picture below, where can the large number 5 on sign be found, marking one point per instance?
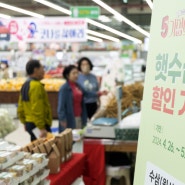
(165, 26)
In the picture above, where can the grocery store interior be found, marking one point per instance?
(113, 37)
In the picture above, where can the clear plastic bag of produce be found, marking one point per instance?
(7, 124)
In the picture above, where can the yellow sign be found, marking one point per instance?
(161, 147)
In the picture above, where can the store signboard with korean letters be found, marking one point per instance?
(161, 147)
(43, 30)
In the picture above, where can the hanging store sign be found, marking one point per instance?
(43, 30)
(92, 12)
(161, 148)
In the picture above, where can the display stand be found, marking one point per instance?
(70, 171)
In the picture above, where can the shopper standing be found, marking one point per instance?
(90, 83)
(71, 105)
(33, 107)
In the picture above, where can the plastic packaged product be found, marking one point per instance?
(28, 163)
(4, 156)
(19, 170)
(38, 157)
(7, 177)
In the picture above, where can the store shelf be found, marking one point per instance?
(10, 97)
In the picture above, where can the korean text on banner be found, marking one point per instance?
(43, 30)
(161, 147)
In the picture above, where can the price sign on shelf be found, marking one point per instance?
(161, 148)
(44, 30)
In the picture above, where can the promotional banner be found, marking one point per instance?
(161, 147)
(43, 30)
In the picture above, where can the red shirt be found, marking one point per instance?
(77, 99)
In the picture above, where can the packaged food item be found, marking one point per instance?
(48, 147)
(36, 150)
(68, 143)
(60, 143)
(13, 148)
(30, 147)
(4, 156)
(28, 163)
(36, 143)
(30, 180)
(19, 170)
(70, 139)
(7, 177)
(38, 157)
(25, 149)
(27, 155)
(51, 141)
(42, 148)
(54, 160)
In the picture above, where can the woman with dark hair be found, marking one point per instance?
(71, 106)
(90, 83)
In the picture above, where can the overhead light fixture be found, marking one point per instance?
(114, 31)
(5, 16)
(117, 18)
(121, 17)
(102, 36)
(90, 21)
(150, 4)
(54, 6)
(94, 39)
(104, 18)
(16, 9)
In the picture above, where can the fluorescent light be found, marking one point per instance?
(114, 31)
(94, 39)
(117, 18)
(61, 9)
(104, 18)
(21, 10)
(124, 19)
(150, 4)
(54, 6)
(102, 36)
(5, 16)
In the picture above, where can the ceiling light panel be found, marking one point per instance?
(121, 17)
(20, 10)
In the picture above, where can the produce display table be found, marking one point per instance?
(70, 171)
(11, 97)
(95, 150)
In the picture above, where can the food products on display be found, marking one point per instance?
(54, 160)
(16, 84)
(131, 93)
(17, 167)
(6, 123)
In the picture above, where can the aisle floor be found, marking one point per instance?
(21, 137)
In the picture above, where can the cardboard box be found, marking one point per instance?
(68, 143)
(48, 147)
(30, 147)
(42, 148)
(54, 160)
(36, 150)
(25, 149)
(60, 143)
(36, 143)
(51, 141)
